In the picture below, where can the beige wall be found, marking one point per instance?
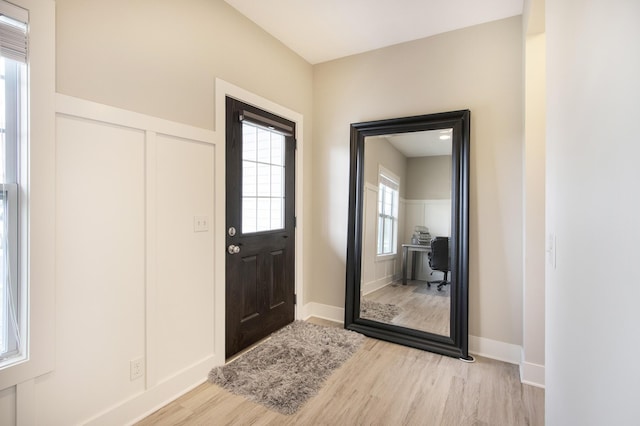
(379, 152)
(161, 57)
(429, 178)
(479, 68)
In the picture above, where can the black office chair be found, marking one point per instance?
(440, 260)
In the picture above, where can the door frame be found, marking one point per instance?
(222, 90)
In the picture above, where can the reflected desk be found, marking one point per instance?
(413, 248)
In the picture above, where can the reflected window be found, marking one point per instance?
(388, 196)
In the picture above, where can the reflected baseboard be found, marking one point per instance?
(372, 286)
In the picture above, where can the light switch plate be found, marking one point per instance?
(551, 250)
(200, 223)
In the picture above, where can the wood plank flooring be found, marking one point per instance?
(382, 384)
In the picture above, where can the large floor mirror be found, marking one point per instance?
(407, 256)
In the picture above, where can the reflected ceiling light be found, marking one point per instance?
(445, 137)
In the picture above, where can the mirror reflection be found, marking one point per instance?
(406, 230)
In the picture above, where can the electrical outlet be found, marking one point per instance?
(136, 368)
(200, 223)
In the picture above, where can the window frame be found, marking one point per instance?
(36, 195)
(14, 57)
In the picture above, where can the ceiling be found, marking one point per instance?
(323, 30)
(422, 144)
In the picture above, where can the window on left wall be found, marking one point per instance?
(13, 134)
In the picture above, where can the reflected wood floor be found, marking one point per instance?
(381, 384)
(423, 307)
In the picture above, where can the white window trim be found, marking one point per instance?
(38, 221)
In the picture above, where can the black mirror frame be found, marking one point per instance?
(455, 345)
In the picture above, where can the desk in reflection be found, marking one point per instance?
(414, 249)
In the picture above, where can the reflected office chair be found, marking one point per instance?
(439, 260)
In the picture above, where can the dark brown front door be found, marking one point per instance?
(260, 224)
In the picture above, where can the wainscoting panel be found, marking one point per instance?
(185, 191)
(134, 280)
(100, 266)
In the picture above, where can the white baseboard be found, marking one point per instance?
(328, 312)
(495, 349)
(532, 374)
(129, 411)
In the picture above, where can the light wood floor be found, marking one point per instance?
(423, 308)
(381, 384)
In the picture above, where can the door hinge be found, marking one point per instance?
(295, 222)
(295, 144)
(295, 299)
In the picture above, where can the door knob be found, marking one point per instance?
(233, 249)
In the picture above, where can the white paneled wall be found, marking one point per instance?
(133, 278)
(100, 267)
(434, 214)
(185, 188)
(7, 406)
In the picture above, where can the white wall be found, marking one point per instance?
(592, 293)
(479, 68)
(100, 268)
(8, 406)
(434, 214)
(132, 278)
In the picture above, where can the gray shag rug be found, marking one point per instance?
(382, 312)
(284, 371)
